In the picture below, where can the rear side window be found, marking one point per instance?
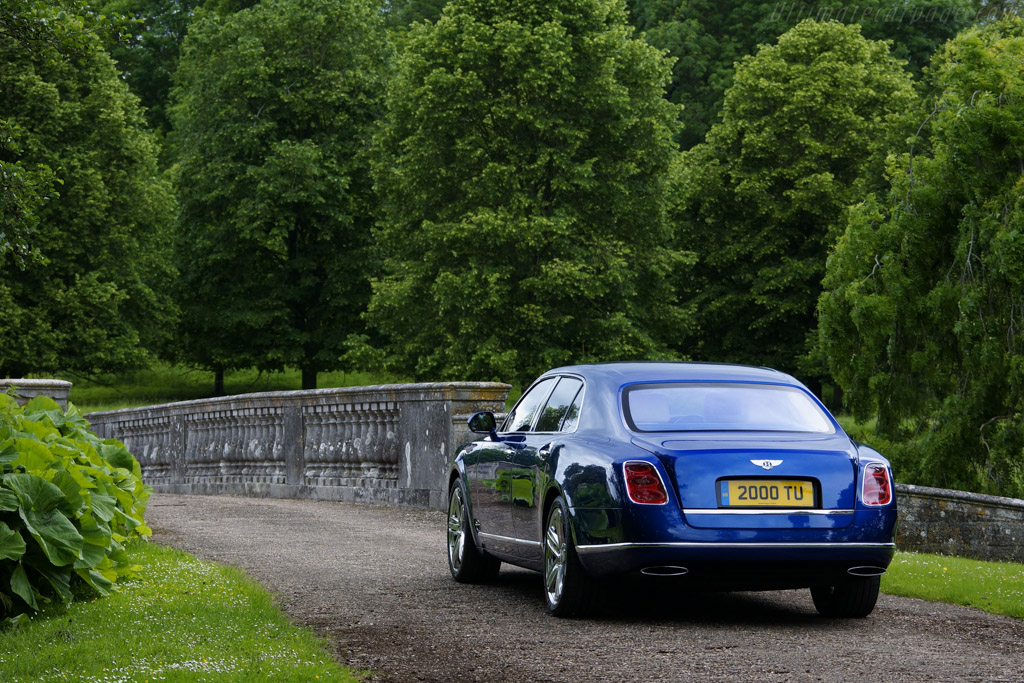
(696, 406)
(558, 405)
(521, 417)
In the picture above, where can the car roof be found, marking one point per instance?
(619, 373)
(601, 411)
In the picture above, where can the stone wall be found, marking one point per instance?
(960, 523)
(387, 443)
(26, 389)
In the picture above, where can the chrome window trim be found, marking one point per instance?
(583, 391)
(765, 511)
(585, 549)
(509, 539)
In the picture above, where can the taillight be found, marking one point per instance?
(877, 485)
(643, 483)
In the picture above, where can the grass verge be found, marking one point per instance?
(996, 587)
(180, 620)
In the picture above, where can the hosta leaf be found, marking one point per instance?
(21, 587)
(12, 545)
(92, 556)
(33, 455)
(73, 501)
(102, 505)
(55, 534)
(59, 578)
(35, 493)
(8, 499)
(101, 584)
(94, 532)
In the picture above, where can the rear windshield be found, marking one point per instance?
(696, 407)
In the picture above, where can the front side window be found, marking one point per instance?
(558, 405)
(521, 417)
(697, 406)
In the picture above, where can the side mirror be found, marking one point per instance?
(483, 423)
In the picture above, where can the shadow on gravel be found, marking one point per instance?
(665, 601)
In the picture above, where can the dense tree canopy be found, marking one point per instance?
(100, 301)
(149, 55)
(524, 165)
(273, 108)
(801, 126)
(924, 296)
(707, 37)
(49, 32)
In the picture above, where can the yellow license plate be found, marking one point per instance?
(766, 493)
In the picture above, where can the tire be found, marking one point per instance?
(852, 599)
(567, 586)
(465, 561)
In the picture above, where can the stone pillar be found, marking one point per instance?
(25, 390)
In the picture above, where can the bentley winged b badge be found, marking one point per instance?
(767, 464)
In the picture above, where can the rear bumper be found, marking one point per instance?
(741, 565)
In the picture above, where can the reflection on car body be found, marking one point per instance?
(726, 476)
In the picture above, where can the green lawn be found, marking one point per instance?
(166, 383)
(996, 587)
(179, 620)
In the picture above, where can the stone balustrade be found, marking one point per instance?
(386, 443)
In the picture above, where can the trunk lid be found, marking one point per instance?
(759, 480)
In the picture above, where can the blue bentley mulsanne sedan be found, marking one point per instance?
(725, 477)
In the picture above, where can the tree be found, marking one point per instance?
(98, 304)
(524, 165)
(149, 56)
(803, 130)
(50, 31)
(924, 293)
(708, 37)
(272, 111)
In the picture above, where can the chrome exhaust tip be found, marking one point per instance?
(666, 570)
(865, 571)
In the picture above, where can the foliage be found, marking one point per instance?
(403, 13)
(68, 502)
(149, 55)
(524, 164)
(924, 296)
(707, 38)
(801, 137)
(50, 31)
(99, 304)
(271, 122)
(23, 192)
(187, 621)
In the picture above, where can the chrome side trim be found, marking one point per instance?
(584, 549)
(509, 539)
(766, 511)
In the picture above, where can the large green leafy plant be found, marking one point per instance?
(68, 502)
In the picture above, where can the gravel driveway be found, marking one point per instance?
(375, 581)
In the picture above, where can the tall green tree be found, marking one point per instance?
(924, 300)
(97, 301)
(50, 31)
(524, 163)
(273, 106)
(803, 132)
(708, 37)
